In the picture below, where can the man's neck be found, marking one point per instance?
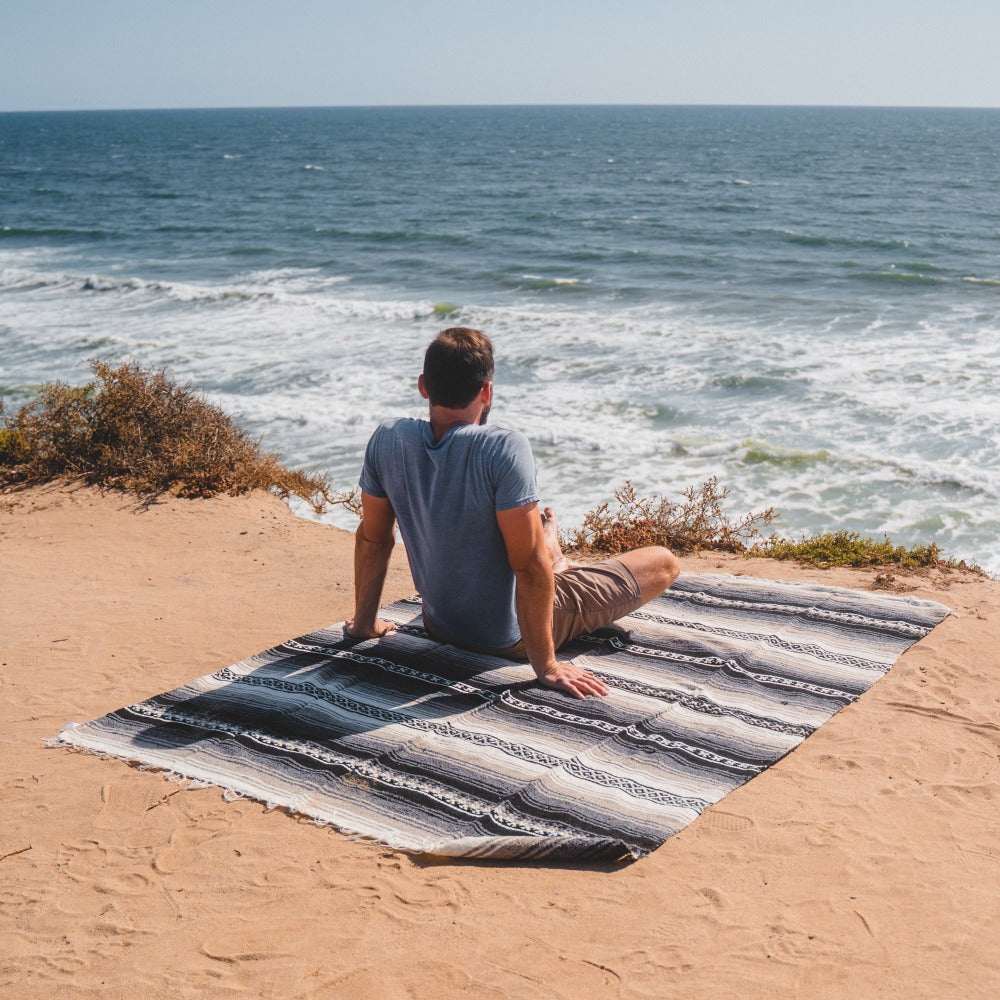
(444, 419)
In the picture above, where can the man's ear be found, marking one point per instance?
(486, 393)
(421, 386)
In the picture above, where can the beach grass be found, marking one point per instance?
(849, 548)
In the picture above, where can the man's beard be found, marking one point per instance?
(484, 415)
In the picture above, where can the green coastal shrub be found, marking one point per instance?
(848, 548)
(13, 447)
(136, 429)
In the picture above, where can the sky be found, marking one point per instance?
(68, 54)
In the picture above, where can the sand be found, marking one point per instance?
(864, 864)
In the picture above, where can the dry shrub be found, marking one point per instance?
(136, 429)
(696, 522)
(350, 500)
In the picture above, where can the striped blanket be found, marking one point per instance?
(432, 749)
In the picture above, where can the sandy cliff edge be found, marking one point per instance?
(865, 864)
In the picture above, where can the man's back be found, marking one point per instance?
(486, 560)
(445, 496)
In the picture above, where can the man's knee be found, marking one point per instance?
(665, 565)
(655, 568)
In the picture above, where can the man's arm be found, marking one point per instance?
(373, 542)
(531, 561)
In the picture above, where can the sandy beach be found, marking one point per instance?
(865, 864)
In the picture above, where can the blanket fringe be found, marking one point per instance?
(188, 782)
(393, 839)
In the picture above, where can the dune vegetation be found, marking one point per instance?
(136, 429)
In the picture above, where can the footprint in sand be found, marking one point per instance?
(718, 819)
(401, 980)
(129, 799)
(413, 898)
(111, 870)
(185, 847)
(236, 945)
(837, 762)
(278, 877)
(714, 897)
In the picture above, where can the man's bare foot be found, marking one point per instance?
(551, 528)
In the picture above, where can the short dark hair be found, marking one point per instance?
(457, 364)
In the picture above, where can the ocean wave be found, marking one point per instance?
(251, 250)
(403, 237)
(852, 462)
(806, 240)
(797, 238)
(55, 232)
(96, 283)
(278, 289)
(294, 280)
(184, 229)
(970, 483)
(904, 277)
(15, 279)
(537, 282)
(731, 208)
(581, 256)
(924, 267)
(756, 454)
(756, 384)
(176, 291)
(21, 392)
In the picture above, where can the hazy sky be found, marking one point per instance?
(58, 54)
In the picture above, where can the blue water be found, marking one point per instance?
(804, 302)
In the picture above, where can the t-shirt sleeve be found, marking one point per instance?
(371, 481)
(515, 481)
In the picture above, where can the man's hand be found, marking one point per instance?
(568, 677)
(378, 629)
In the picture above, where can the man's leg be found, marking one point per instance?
(551, 528)
(654, 568)
(594, 595)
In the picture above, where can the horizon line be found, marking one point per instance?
(486, 105)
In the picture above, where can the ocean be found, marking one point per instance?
(803, 302)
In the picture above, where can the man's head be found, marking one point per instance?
(457, 364)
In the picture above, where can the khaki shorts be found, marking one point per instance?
(587, 598)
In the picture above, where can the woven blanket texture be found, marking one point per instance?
(432, 749)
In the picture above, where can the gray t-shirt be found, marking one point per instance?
(445, 497)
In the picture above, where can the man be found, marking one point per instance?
(487, 563)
